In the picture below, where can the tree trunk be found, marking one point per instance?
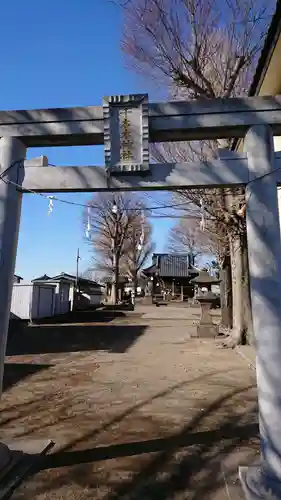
(237, 287)
(115, 281)
(247, 306)
(242, 314)
(135, 279)
(226, 293)
(134, 286)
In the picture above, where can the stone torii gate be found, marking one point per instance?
(126, 125)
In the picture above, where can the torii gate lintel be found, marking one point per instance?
(173, 121)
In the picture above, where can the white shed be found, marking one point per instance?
(33, 300)
(62, 295)
(62, 291)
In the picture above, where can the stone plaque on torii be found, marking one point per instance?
(125, 125)
(126, 146)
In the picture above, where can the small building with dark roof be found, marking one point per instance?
(45, 277)
(72, 293)
(17, 278)
(171, 273)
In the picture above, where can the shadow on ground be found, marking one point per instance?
(187, 462)
(130, 449)
(101, 315)
(15, 372)
(183, 464)
(42, 339)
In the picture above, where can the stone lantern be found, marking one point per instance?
(206, 298)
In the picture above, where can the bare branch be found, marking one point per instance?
(187, 236)
(196, 48)
(116, 222)
(204, 46)
(138, 247)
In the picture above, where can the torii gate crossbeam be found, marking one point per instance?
(173, 121)
(229, 170)
(258, 169)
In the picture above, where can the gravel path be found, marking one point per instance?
(136, 411)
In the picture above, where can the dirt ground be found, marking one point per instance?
(137, 409)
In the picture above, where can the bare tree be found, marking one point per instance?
(110, 219)
(187, 236)
(201, 49)
(196, 47)
(138, 247)
(214, 267)
(93, 273)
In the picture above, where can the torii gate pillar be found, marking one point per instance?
(12, 155)
(264, 248)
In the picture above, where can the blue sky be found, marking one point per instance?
(58, 53)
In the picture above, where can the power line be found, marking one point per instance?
(89, 205)
(9, 168)
(167, 216)
(82, 205)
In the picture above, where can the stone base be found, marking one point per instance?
(208, 331)
(254, 486)
(17, 460)
(231, 485)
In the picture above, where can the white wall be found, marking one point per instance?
(43, 301)
(62, 299)
(93, 298)
(277, 147)
(71, 296)
(31, 301)
(215, 289)
(21, 300)
(277, 143)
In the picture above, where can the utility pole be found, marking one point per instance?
(77, 268)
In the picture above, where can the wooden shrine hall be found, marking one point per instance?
(171, 274)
